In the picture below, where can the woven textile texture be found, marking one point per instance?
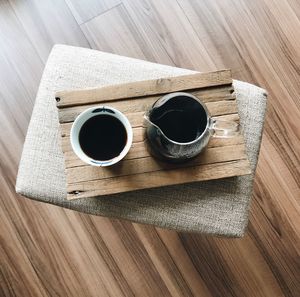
(217, 207)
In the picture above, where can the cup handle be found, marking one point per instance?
(223, 129)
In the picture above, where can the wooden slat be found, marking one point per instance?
(150, 180)
(139, 150)
(149, 164)
(143, 88)
(222, 107)
(212, 95)
(218, 93)
(137, 106)
(132, 106)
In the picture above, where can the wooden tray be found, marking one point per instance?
(139, 170)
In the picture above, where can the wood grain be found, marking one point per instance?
(87, 10)
(143, 88)
(136, 106)
(119, 184)
(165, 23)
(48, 251)
(137, 165)
(115, 24)
(46, 23)
(85, 181)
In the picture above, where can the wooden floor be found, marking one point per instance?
(49, 251)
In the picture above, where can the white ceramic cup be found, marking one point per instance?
(96, 111)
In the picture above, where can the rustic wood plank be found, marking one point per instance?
(143, 88)
(139, 150)
(206, 95)
(150, 180)
(149, 164)
(136, 106)
(222, 108)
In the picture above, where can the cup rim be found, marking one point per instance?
(86, 115)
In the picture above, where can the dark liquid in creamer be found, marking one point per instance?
(102, 137)
(181, 119)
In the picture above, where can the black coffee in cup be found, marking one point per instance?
(102, 137)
